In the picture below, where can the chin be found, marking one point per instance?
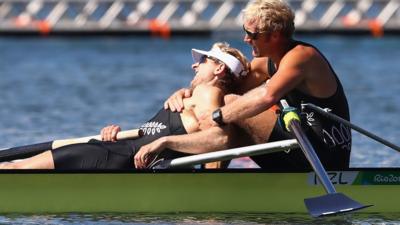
(255, 52)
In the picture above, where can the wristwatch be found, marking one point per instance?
(217, 117)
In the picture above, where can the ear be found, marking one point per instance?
(275, 35)
(220, 70)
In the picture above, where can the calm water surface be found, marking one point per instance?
(54, 88)
(199, 219)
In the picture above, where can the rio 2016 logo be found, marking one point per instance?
(387, 178)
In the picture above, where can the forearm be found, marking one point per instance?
(209, 140)
(248, 105)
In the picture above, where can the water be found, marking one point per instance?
(53, 88)
(198, 219)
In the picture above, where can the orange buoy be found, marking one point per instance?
(165, 31)
(376, 28)
(158, 28)
(44, 27)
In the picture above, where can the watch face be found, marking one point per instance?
(217, 117)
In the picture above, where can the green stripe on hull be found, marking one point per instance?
(176, 192)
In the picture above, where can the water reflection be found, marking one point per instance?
(203, 219)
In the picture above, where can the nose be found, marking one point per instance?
(247, 39)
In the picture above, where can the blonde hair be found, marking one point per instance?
(271, 16)
(231, 81)
(224, 47)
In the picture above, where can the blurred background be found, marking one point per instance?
(70, 67)
(166, 17)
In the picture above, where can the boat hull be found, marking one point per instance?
(188, 191)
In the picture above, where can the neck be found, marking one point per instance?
(224, 86)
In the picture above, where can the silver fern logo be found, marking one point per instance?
(310, 118)
(150, 128)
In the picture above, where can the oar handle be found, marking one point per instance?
(122, 135)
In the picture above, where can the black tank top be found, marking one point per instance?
(333, 135)
(164, 123)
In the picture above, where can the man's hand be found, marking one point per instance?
(109, 133)
(147, 153)
(175, 102)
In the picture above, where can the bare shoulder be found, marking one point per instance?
(302, 54)
(307, 63)
(304, 58)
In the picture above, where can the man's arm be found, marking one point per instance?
(212, 139)
(248, 105)
(209, 140)
(289, 75)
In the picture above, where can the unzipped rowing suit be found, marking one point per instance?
(120, 154)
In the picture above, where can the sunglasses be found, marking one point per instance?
(204, 57)
(252, 35)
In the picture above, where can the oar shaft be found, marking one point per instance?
(24, 151)
(312, 157)
(354, 127)
(292, 123)
(333, 202)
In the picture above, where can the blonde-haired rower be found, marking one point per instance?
(298, 72)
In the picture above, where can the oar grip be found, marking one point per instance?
(288, 117)
(129, 134)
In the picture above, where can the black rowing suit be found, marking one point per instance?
(119, 155)
(331, 140)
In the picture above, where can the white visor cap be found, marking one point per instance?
(232, 62)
